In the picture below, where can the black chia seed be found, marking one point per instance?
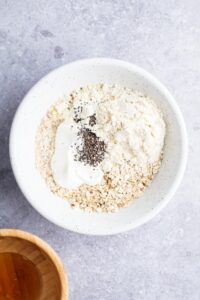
(77, 111)
(92, 150)
(92, 120)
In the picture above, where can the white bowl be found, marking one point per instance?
(33, 108)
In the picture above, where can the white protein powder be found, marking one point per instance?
(128, 121)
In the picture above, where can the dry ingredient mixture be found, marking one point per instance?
(101, 146)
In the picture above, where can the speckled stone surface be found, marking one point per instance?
(160, 260)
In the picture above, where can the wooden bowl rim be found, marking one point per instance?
(48, 250)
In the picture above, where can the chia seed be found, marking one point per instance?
(92, 150)
(77, 111)
(92, 120)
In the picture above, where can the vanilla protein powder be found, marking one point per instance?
(100, 146)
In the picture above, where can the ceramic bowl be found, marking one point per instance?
(48, 270)
(54, 86)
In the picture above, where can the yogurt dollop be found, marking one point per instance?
(68, 172)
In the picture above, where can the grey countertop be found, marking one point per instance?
(160, 260)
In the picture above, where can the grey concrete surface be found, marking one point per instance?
(160, 260)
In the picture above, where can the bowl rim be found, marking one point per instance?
(47, 249)
(183, 135)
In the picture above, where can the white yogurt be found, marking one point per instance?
(68, 172)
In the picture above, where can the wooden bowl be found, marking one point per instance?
(53, 281)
